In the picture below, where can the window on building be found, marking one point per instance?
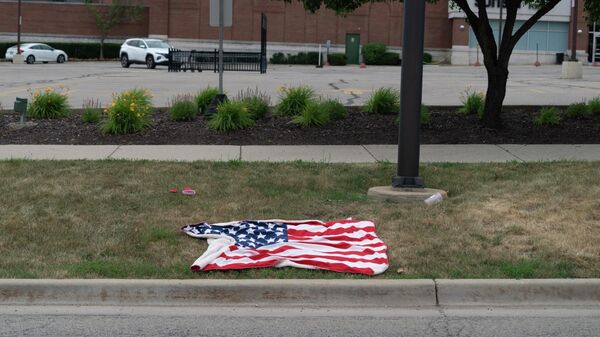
(545, 35)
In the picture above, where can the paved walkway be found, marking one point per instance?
(319, 153)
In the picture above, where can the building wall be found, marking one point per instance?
(189, 19)
(62, 19)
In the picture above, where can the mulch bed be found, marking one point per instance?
(446, 127)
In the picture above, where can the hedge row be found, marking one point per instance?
(311, 58)
(377, 54)
(76, 50)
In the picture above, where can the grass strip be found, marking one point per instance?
(116, 219)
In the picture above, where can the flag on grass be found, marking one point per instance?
(343, 246)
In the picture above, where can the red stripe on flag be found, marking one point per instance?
(302, 232)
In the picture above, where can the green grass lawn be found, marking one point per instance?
(116, 219)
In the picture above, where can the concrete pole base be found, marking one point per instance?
(18, 59)
(403, 195)
(572, 70)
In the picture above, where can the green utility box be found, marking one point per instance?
(21, 107)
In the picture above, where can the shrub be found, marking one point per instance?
(548, 116)
(205, 96)
(384, 101)
(427, 58)
(293, 100)
(91, 111)
(278, 58)
(90, 115)
(231, 115)
(48, 103)
(425, 115)
(337, 59)
(389, 59)
(256, 101)
(473, 103)
(594, 106)
(129, 112)
(312, 115)
(579, 110)
(372, 53)
(335, 110)
(183, 108)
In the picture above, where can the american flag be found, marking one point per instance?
(342, 246)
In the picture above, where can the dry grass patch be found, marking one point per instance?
(116, 218)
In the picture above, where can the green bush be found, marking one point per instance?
(293, 100)
(427, 58)
(312, 115)
(129, 112)
(337, 59)
(183, 108)
(594, 106)
(373, 52)
(389, 59)
(548, 116)
(48, 103)
(384, 101)
(473, 103)
(205, 96)
(257, 107)
(335, 110)
(300, 58)
(579, 110)
(278, 58)
(425, 115)
(230, 116)
(90, 115)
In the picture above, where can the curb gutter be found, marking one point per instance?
(303, 293)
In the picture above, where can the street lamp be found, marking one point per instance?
(407, 185)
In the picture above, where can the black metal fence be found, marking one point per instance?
(184, 60)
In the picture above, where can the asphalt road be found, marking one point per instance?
(443, 85)
(255, 321)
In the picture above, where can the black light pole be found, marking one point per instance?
(411, 89)
(574, 32)
(19, 28)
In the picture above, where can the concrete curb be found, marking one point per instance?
(306, 293)
(303, 293)
(511, 292)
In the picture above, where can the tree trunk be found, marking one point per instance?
(101, 49)
(494, 98)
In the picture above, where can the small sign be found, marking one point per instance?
(328, 44)
(227, 13)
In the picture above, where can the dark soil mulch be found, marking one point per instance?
(447, 127)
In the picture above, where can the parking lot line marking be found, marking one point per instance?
(537, 91)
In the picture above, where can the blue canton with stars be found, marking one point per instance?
(248, 234)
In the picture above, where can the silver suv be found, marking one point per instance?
(144, 51)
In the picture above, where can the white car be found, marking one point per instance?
(144, 51)
(37, 52)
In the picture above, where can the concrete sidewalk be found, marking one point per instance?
(303, 293)
(476, 153)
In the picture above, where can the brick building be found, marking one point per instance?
(185, 23)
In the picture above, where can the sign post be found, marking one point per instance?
(221, 15)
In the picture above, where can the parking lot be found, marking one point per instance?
(443, 85)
